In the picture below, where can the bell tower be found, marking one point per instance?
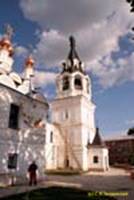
(73, 81)
(73, 111)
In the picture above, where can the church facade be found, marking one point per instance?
(69, 140)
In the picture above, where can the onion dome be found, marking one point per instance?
(11, 51)
(29, 63)
(6, 44)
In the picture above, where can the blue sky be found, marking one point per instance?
(102, 31)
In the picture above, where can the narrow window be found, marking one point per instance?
(65, 83)
(87, 86)
(66, 163)
(12, 160)
(51, 136)
(44, 139)
(14, 116)
(95, 159)
(66, 115)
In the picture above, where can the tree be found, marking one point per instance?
(131, 2)
(131, 159)
(130, 131)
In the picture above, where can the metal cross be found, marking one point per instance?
(9, 30)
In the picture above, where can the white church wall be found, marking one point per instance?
(85, 159)
(102, 155)
(7, 80)
(62, 106)
(28, 148)
(54, 147)
(76, 127)
(27, 141)
(87, 118)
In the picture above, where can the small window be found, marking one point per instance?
(66, 115)
(44, 139)
(87, 86)
(78, 83)
(14, 116)
(67, 163)
(65, 83)
(95, 159)
(12, 160)
(51, 136)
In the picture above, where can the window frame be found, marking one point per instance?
(12, 160)
(13, 121)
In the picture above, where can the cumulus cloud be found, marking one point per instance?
(21, 51)
(68, 16)
(51, 48)
(44, 78)
(129, 122)
(97, 26)
(114, 72)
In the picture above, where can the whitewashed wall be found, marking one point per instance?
(102, 154)
(27, 141)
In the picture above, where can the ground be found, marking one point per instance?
(117, 181)
(58, 193)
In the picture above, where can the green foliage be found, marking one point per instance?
(131, 159)
(131, 131)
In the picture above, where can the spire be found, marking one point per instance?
(73, 62)
(73, 53)
(97, 139)
(9, 31)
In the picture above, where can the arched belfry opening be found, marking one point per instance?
(73, 80)
(66, 84)
(78, 83)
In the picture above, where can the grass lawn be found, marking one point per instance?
(56, 193)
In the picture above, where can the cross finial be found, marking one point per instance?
(9, 30)
(72, 42)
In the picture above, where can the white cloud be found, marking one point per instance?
(68, 15)
(21, 51)
(44, 78)
(130, 122)
(97, 26)
(48, 50)
(112, 73)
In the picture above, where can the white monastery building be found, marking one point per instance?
(69, 140)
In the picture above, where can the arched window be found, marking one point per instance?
(78, 83)
(95, 159)
(66, 83)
